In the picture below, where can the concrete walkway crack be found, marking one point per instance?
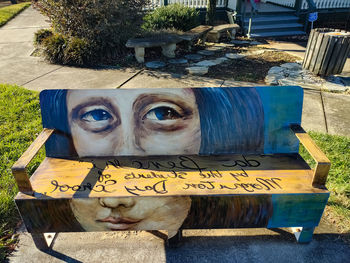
(41, 76)
(118, 87)
(324, 112)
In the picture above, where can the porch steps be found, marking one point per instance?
(280, 25)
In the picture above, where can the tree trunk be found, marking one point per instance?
(211, 10)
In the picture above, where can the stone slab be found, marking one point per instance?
(155, 64)
(82, 78)
(337, 109)
(178, 61)
(197, 70)
(206, 52)
(195, 57)
(313, 116)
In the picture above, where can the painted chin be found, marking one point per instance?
(115, 224)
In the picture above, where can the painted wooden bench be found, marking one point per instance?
(215, 34)
(166, 42)
(171, 159)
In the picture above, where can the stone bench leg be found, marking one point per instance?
(140, 54)
(303, 234)
(203, 39)
(232, 34)
(214, 37)
(169, 50)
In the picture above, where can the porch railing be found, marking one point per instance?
(287, 3)
(190, 3)
(324, 4)
(320, 4)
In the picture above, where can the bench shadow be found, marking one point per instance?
(241, 248)
(61, 256)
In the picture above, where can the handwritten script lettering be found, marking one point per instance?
(182, 174)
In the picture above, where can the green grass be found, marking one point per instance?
(20, 123)
(337, 149)
(8, 12)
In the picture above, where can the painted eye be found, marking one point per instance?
(162, 114)
(96, 115)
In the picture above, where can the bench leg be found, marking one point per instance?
(214, 37)
(43, 241)
(303, 234)
(140, 54)
(169, 50)
(203, 39)
(40, 241)
(232, 34)
(175, 240)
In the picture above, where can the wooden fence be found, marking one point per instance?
(190, 3)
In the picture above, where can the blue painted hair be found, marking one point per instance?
(231, 119)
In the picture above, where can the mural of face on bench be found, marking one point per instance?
(134, 122)
(131, 213)
(153, 122)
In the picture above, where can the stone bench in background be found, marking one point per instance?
(193, 35)
(215, 34)
(167, 43)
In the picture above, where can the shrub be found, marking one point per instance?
(103, 26)
(175, 16)
(65, 50)
(42, 34)
(53, 48)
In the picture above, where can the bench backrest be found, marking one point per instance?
(151, 121)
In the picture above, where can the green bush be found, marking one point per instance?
(42, 34)
(53, 48)
(175, 16)
(100, 26)
(59, 49)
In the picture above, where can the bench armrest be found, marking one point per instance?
(19, 170)
(323, 164)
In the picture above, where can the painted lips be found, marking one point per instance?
(119, 223)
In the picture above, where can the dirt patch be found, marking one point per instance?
(252, 68)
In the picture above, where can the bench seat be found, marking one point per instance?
(292, 173)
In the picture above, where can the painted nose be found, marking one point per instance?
(128, 145)
(114, 202)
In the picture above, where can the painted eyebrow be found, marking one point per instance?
(93, 102)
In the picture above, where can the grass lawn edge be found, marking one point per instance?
(14, 11)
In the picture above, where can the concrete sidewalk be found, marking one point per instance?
(325, 112)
